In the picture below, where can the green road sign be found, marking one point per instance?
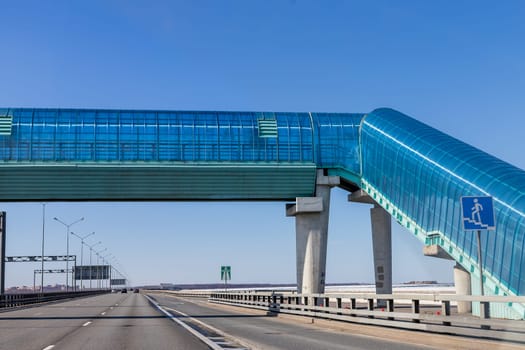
(226, 273)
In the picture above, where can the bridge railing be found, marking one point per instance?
(426, 312)
(14, 300)
(184, 293)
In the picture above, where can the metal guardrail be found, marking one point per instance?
(15, 300)
(185, 293)
(362, 308)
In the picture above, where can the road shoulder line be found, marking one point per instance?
(185, 326)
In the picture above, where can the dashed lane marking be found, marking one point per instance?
(48, 347)
(218, 342)
(224, 342)
(201, 337)
(103, 313)
(86, 324)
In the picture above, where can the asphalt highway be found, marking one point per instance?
(260, 331)
(255, 329)
(162, 321)
(111, 321)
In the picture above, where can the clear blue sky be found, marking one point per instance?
(456, 65)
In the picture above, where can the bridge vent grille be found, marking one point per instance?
(6, 125)
(267, 127)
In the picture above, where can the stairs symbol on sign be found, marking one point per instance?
(478, 213)
(473, 222)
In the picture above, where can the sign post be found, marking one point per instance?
(226, 274)
(477, 215)
(2, 252)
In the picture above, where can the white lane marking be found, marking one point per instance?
(48, 347)
(218, 331)
(111, 308)
(222, 340)
(201, 337)
(103, 313)
(86, 324)
(116, 304)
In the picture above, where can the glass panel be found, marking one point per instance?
(421, 162)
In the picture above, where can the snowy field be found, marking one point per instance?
(439, 288)
(444, 288)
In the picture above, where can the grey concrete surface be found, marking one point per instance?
(462, 283)
(311, 226)
(269, 333)
(111, 321)
(381, 242)
(382, 248)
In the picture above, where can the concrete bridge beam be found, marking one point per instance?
(382, 249)
(381, 243)
(311, 227)
(462, 278)
(462, 284)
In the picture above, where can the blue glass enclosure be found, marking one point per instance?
(414, 171)
(425, 172)
(62, 135)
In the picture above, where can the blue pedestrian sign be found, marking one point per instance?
(477, 213)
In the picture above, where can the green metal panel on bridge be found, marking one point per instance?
(101, 182)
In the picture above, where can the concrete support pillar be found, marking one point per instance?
(311, 227)
(462, 284)
(382, 248)
(381, 243)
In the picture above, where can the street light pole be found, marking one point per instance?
(43, 236)
(106, 263)
(110, 262)
(82, 238)
(98, 266)
(90, 264)
(67, 244)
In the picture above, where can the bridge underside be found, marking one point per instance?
(147, 182)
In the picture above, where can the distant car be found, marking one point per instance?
(124, 290)
(136, 290)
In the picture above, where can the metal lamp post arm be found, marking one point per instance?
(82, 239)
(105, 263)
(98, 265)
(90, 263)
(67, 244)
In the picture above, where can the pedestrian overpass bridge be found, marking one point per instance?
(404, 168)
